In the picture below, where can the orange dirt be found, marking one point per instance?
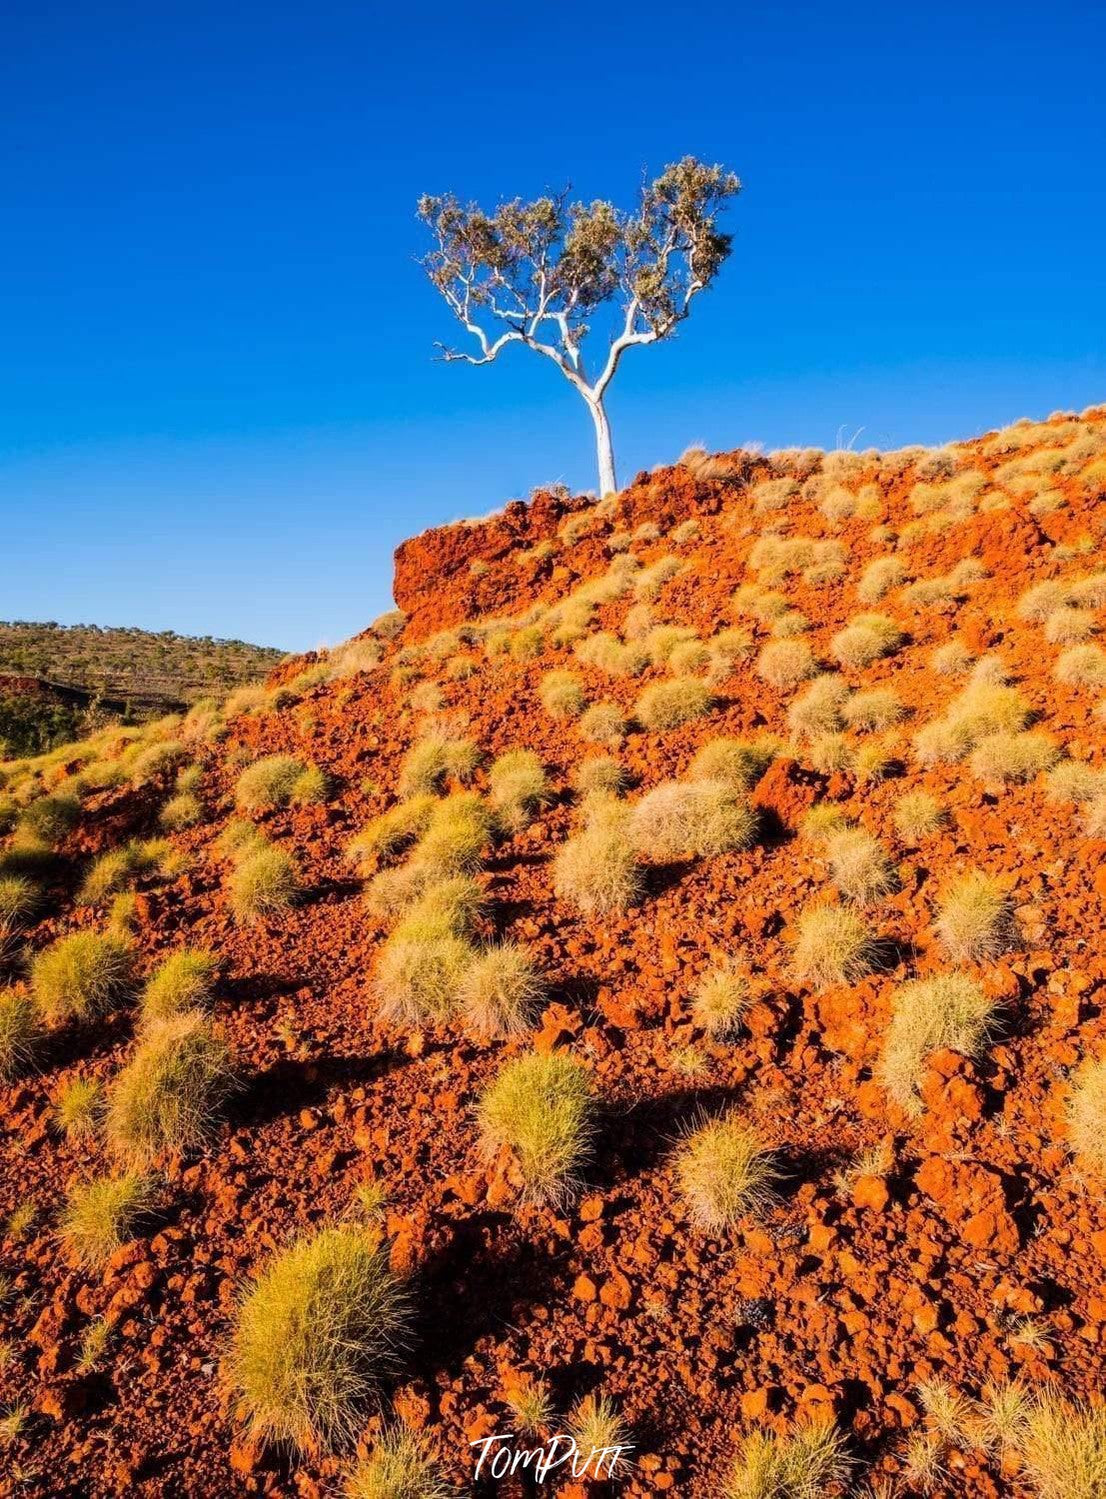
(843, 1297)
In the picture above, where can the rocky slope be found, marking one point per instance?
(948, 1236)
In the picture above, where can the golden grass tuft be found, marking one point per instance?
(603, 723)
(392, 830)
(1086, 1117)
(917, 815)
(601, 1438)
(1063, 1451)
(1070, 626)
(500, 992)
(530, 1404)
(266, 882)
(541, 1107)
(1004, 758)
(949, 1011)
(19, 899)
(819, 708)
(518, 787)
(721, 999)
(975, 919)
(121, 868)
(741, 762)
(168, 1096)
(181, 811)
(267, 783)
(667, 705)
(875, 709)
(598, 775)
(182, 981)
(783, 664)
(435, 759)
(316, 1338)
(1082, 666)
(679, 819)
(597, 869)
(724, 1171)
(859, 867)
(879, 578)
(804, 1465)
(20, 1027)
(103, 1214)
(77, 1107)
(1074, 781)
(562, 694)
(832, 946)
(457, 837)
(423, 965)
(865, 640)
(81, 976)
(400, 1466)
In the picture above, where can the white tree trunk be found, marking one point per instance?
(604, 450)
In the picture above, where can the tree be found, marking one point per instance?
(538, 273)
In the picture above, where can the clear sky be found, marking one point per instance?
(219, 410)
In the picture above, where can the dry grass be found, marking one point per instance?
(77, 1107)
(1064, 1449)
(540, 1106)
(982, 709)
(423, 965)
(268, 783)
(615, 657)
(805, 1465)
(975, 919)
(435, 759)
(530, 1404)
(181, 811)
(81, 976)
(182, 981)
(168, 1096)
(601, 1438)
(724, 1171)
(951, 659)
(667, 705)
(949, 1011)
(316, 1338)
(1002, 1416)
(865, 640)
(1082, 666)
(833, 946)
(741, 762)
(599, 775)
(917, 815)
(783, 664)
(457, 838)
(500, 992)
(121, 868)
(1086, 1117)
(859, 867)
(819, 708)
(873, 710)
(518, 788)
(1004, 758)
(829, 753)
(400, 1466)
(19, 899)
(266, 882)
(562, 694)
(597, 870)
(603, 723)
(721, 999)
(1074, 781)
(103, 1214)
(393, 830)
(701, 819)
(1070, 626)
(20, 1027)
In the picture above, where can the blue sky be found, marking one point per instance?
(219, 410)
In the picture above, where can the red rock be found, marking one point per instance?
(584, 1288)
(871, 1192)
(615, 1291)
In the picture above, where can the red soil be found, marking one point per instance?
(840, 1300)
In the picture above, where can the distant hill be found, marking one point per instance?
(56, 680)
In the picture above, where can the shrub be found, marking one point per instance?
(819, 707)
(598, 775)
(878, 579)
(101, 1215)
(916, 816)
(1074, 781)
(420, 971)
(19, 897)
(833, 946)
(860, 869)
(562, 694)
(168, 1095)
(975, 920)
(804, 1465)
(267, 783)
(866, 639)
(393, 829)
(877, 708)
(400, 1466)
(1012, 757)
(666, 705)
(741, 762)
(19, 1033)
(457, 837)
(1087, 1114)
(597, 870)
(50, 818)
(822, 821)
(182, 981)
(783, 664)
(81, 976)
(1070, 626)
(951, 659)
(540, 1106)
(120, 868)
(724, 1171)
(435, 759)
(830, 753)
(316, 1337)
(609, 654)
(265, 883)
(603, 723)
(180, 811)
(1082, 666)
(518, 787)
(77, 1107)
(947, 1011)
(720, 1001)
(1064, 1450)
(681, 818)
(500, 991)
